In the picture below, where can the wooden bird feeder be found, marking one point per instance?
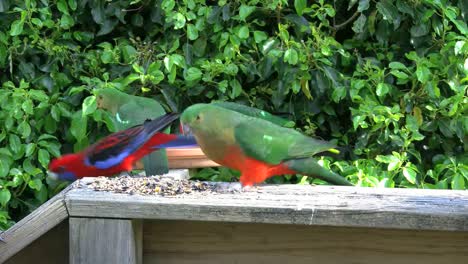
(272, 224)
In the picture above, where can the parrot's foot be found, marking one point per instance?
(1, 238)
(249, 188)
(228, 187)
(235, 187)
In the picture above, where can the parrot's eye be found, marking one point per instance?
(198, 118)
(61, 169)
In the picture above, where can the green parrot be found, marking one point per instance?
(130, 110)
(257, 147)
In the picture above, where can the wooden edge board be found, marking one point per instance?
(288, 204)
(34, 225)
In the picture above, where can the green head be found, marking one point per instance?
(207, 119)
(193, 117)
(108, 98)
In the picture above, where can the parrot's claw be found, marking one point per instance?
(1, 238)
(235, 187)
(228, 187)
(248, 188)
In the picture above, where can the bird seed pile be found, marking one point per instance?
(153, 185)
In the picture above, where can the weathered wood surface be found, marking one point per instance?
(94, 240)
(50, 248)
(185, 158)
(34, 225)
(190, 242)
(289, 204)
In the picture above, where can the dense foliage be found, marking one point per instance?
(387, 80)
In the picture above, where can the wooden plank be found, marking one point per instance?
(189, 242)
(34, 225)
(95, 240)
(185, 158)
(50, 248)
(191, 163)
(289, 204)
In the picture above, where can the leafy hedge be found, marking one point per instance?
(385, 79)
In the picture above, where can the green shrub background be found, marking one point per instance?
(386, 80)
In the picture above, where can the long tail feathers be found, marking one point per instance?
(180, 141)
(310, 166)
(160, 123)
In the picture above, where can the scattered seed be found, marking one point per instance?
(154, 185)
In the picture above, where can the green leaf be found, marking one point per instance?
(27, 107)
(16, 28)
(153, 71)
(363, 5)
(393, 165)
(399, 74)
(243, 32)
(245, 11)
(24, 129)
(382, 89)
(15, 143)
(222, 86)
(129, 53)
(192, 32)
(284, 34)
(72, 4)
(423, 73)
(458, 182)
(137, 68)
(66, 22)
(35, 184)
(5, 197)
(107, 56)
(359, 24)
(393, 162)
(338, 94)
(44, 157)
(41, 195)
(300, 5)
(168, 5)
(260, 36)
(62, 6)
(38, 95)
(30, 148)
(3, 55)
(78, 126)
(4, 167)
(388, 10)
(397, 65)
(409, 174)
(412, 123)
(46, 136)
(89, 105)
(193, 74)
(291, 56)
(236, 88)
(179, 21)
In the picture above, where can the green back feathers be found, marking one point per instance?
(255, 112)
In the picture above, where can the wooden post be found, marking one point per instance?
(99, 240)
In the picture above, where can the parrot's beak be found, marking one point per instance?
(52, 175)
(185, 129)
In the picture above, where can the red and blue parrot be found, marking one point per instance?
(119, 151)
